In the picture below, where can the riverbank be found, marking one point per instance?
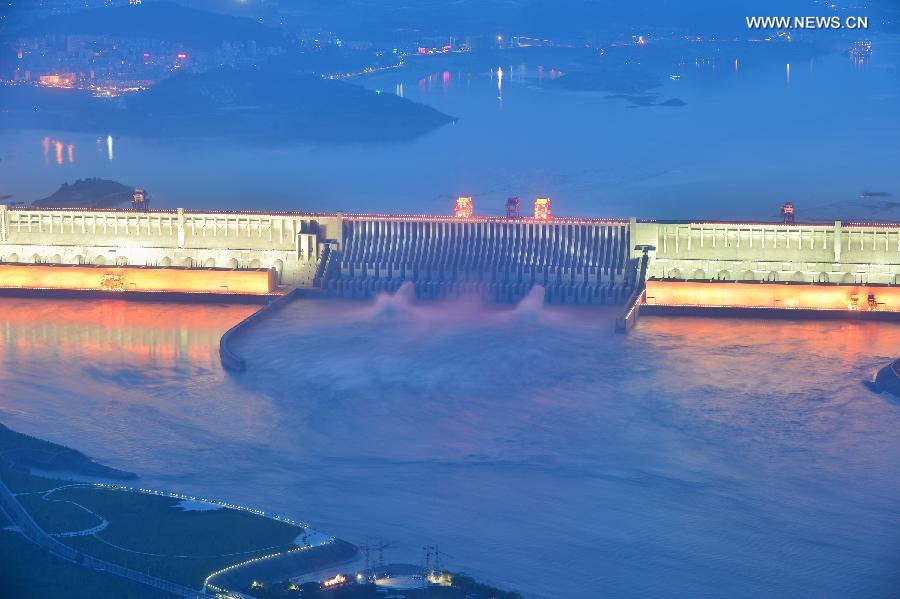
(156, 538)
(64, 530)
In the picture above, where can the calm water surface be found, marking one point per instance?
(749, 138)
(539, 450)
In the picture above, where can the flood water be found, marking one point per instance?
(539, 450)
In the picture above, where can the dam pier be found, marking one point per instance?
(654, 267)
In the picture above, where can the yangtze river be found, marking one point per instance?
(542, 452)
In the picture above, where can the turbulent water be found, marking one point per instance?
(538, 449)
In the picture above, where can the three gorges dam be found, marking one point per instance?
(834, 269)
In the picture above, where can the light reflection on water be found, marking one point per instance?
(58, 147)
(696, 456)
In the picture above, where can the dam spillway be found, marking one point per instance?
(574, 260)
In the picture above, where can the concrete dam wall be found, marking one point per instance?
(589, 261)
(847, 254)
(286, 242)
(575, 260)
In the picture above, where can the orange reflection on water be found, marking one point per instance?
(58, 147)
(802, 380)
(719, 350)
(95, 331)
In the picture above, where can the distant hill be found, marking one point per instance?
(247, 104)
(163, 21)
(558, 19)
(88, 193)
(278, 105)
(23, 452)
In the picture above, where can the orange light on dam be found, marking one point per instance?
(137, 278)
(774, 295)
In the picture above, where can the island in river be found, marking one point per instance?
(269, 105)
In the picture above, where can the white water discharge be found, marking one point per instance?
(541, 451)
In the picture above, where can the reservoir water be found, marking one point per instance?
(541, 451)
(753, 133)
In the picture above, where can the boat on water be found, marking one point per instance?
(888, 379)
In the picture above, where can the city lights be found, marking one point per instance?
(64, 80)
(335, 581)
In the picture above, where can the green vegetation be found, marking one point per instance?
(155, 524)
(24, 453)
(57, 516)
(151, 534)
(10, 439)
(148, 533)
(188, 571)
(28, 572)
(22, 482)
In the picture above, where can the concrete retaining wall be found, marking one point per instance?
(231, 360)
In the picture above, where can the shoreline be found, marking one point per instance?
(311, 556)
(77, 474)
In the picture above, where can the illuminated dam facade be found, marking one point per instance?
(851, 253)
(585, 261)
(574, 260)
(288, 243)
